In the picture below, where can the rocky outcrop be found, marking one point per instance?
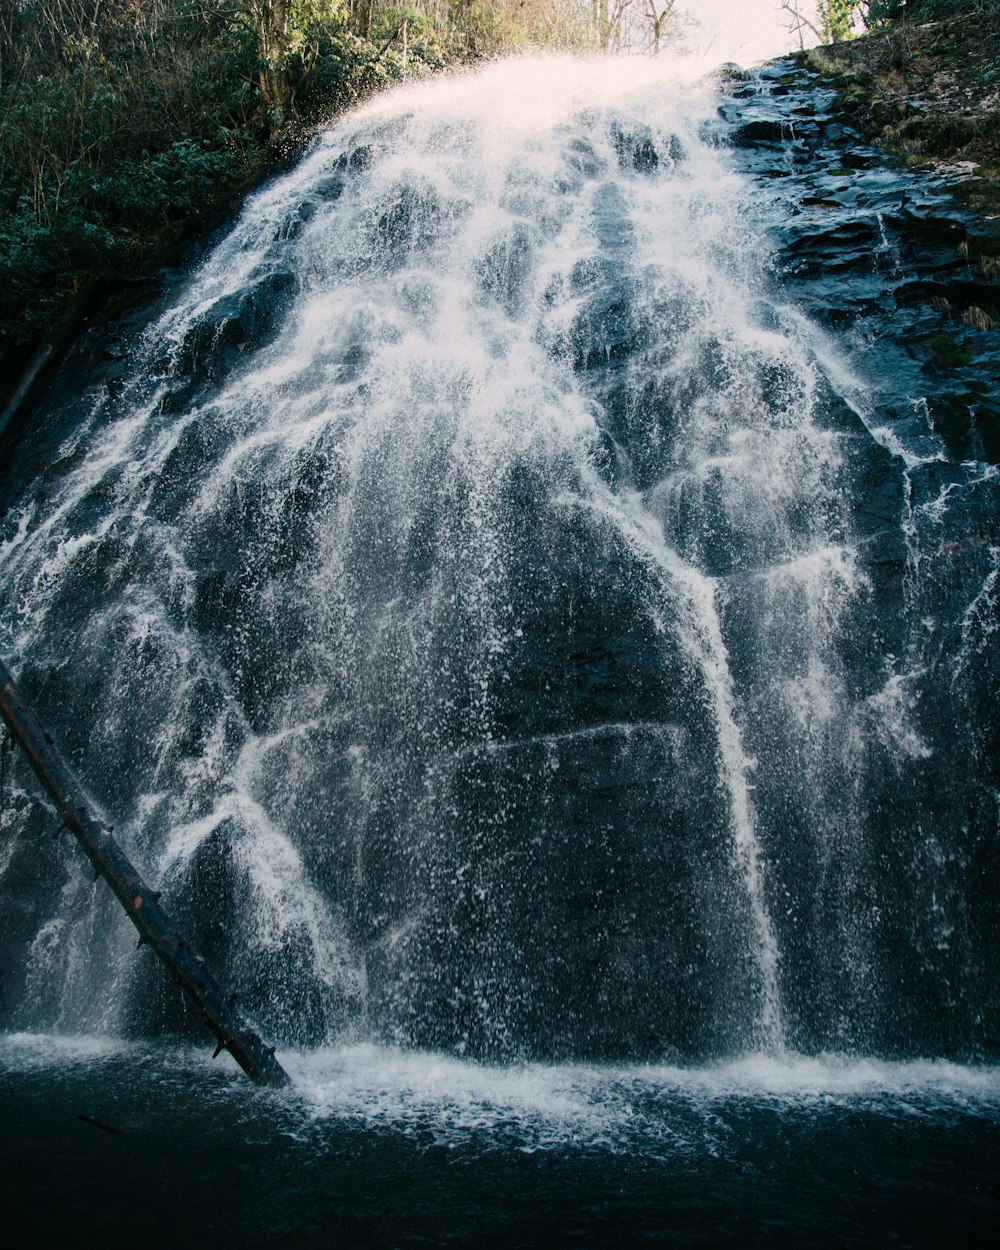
(884, 251)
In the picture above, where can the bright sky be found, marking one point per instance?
(742, 30)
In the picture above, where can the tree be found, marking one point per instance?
(284, 34)
(608, 19)
(837, 18)
(277, 81)
(882, 12)
(799, 23)
(833, 20)
(11, 40)
(660, 14)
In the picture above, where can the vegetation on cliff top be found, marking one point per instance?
(929, 92)
(124, 122)
(930, 88)
(126, 125)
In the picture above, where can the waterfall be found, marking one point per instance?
(501, 621)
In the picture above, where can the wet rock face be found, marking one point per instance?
(901, 274)
(458, 725)
(885, 255)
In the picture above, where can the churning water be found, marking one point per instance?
(509, 631)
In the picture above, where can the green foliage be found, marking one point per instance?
(880, 12)
(123, 123)
(950, 354)
(877, 12)
(836, 19)
(116, 121)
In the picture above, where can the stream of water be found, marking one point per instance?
(549, 686)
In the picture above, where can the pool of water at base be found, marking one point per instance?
(111, 1144)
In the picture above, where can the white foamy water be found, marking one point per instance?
(457, 612)
(652, 1110)
(619, 1107)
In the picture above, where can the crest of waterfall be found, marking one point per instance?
(465, 610)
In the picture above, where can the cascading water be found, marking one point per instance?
(502, 623)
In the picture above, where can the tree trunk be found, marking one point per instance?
(141, 904)
(277, 88)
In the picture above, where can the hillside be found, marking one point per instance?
(928, 93)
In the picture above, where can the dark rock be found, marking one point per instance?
(235, 327)
(636, 150)
(581, 156)
(754, 134)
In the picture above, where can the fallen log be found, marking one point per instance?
(139, 901)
